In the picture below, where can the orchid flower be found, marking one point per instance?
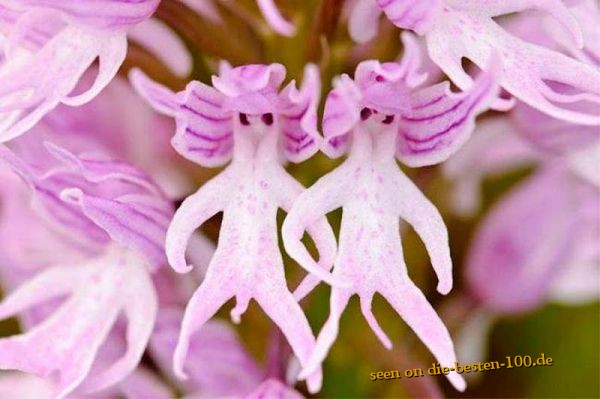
(552, 256)
(556, 214)
(457, 29)
(119, 218)
(528, 137)
(556, 208)
(380, 115)
(48, 46)
(246, 119)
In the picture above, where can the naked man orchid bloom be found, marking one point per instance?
(123, 217)
(457, 29)
(380, 115)
(245, 118)
(48, 46)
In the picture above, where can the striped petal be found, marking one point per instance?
(298, 116)
(439, 121)
(204, 132)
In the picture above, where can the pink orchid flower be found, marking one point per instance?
(512, 271)
(558, 202)
(457, 29)
(380, 115)
(245, 119)
(49, 45)
(118, 218)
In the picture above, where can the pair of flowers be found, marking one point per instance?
(381, 114)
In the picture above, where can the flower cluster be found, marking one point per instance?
(101, 254)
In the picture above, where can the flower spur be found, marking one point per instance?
(246, 119)
(380, 115)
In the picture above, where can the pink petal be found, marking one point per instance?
(410, 14)
(193, 212)
(275, 19)
(108, 14)
(522, 243)
(469, 32)
(217, 363)
(204, 131)
(439, 121)
(364, 20)
(63, 347)
(299, 116)
(32, 87)
(341, 114)
(162, 42)
(494, 149)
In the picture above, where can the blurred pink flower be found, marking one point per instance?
(457, 29)
(48, 46)
(121, 216)
(512, 269)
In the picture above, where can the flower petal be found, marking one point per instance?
(218, 365)
(299, 116)
(364, 20)
(66, 343)
(275, 19)
(204, 130)
(164, 44)
(411, 14)
(522, 243)
(341, 114)
(34, 85)
(108, 14)
(439, 122)
(527, 69)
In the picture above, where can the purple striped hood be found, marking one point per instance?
(205, 115)
(98, 200)
(432, 122)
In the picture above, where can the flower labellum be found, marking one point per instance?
(380, 115)
(245, 119)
